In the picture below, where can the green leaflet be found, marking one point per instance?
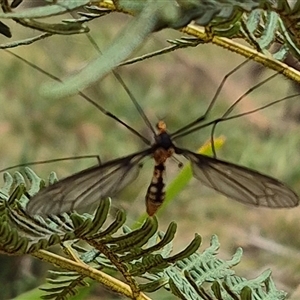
(28, 17)
(141, 253)
(60, 7)
(126, 42)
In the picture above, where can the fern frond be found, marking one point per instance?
(91, 244)
(64, 287)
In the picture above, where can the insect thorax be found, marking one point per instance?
(163, 147)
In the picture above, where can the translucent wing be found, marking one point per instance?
(240, 183)
(87, 187)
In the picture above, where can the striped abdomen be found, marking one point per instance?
(156, 191)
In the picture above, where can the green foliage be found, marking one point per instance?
(92, 242)
(261, 23)
(27, 17)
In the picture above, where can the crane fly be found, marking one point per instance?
(101, 181)
(105, 180)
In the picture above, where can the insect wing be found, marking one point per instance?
(86, 187)
(240, 183)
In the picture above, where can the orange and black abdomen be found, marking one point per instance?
(156, 191)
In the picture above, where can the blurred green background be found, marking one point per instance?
(177, 88)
